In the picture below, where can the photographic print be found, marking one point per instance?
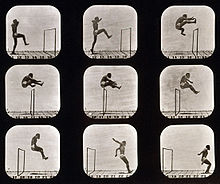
(32, 152)
(33, 32)
(110, 151)
(187, 151)
(186, 91)
(188, 32)
(110, 32)
(32, 91)
(110, 92)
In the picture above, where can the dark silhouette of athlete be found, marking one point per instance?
(204, 159)
(28, 80)
(106, 81)
(34, 146)
(97, 31)
(181, 21)
(185, 83)
(121, 149)
(16, 35)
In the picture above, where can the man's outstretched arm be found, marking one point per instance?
(116, 141)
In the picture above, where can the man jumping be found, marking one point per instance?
(34, 146)
(181, 21)
(106, 81)
(16, 35)
(204, 159)
(28, 80)
(185, 83)
(97, 31)
(122, 153)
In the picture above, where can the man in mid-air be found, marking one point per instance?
(28, 80)
(106, 81)
(181, 21)
(34, 146)
(185, 83)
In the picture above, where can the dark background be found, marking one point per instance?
(71, 120)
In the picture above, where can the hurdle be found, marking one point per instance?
(163, 159)
(87, 160)
(18, 162)
(176, 99)
(104, 101)
(195, 41)
(32, 103)
(55, 39)
(121, 42)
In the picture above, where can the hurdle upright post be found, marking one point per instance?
(104, 101)
(44, 40)
(195, 40)
(18, 157)
(32, 103)
(177, 110)
(121, 41)
(130, 41)
(55, 42)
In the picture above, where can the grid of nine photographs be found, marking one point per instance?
(134, 106)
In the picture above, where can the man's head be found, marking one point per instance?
(208, 147)
(124, 143)
(109, 75)
(38, 136)
(30, 75)
(185, 15)
(15, 21)
(96, 18)
(188, 75)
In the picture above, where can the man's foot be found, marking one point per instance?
(13, 53)
(130, 171)
(207, 172)
(195, 20)
(42, 83)
(92, 51)
(196, 92)
(109, 36)
(26, 43)
(119, 87)
(45, 158)
(183, 34)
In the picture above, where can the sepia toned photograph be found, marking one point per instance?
(110, 92)
(186, 91)
(187, 151)
(32, 91)
(33, 32)
(110, 32)
(110, 151)
(188, 32)
(32, 152)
